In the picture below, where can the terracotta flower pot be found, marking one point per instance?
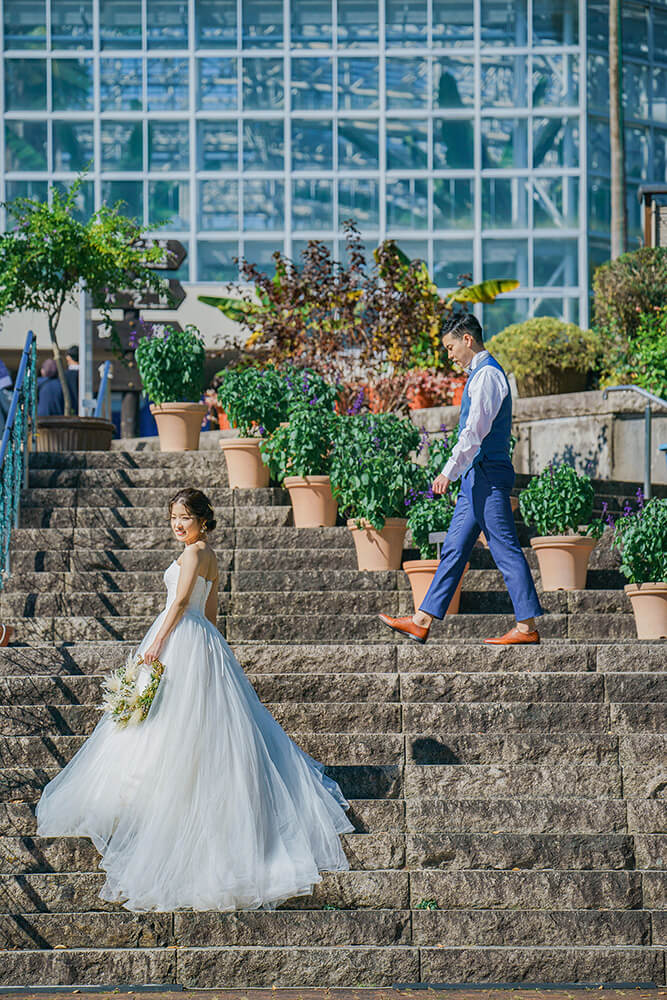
(514, 504)
(420, 574)
(245, 467)
(379, 550)
(178, 425)
(223, 420)
(649, 604)
(74, 434)
(419, 399)
(563, 560)
(313, 505)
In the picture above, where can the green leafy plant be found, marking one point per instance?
(254, 399)
(50, 254)
(542, 352)
(171, 364)
(302, 447)
(560, 501)
(427, 904)
(649, 350)
(641, 538)
(427, 514)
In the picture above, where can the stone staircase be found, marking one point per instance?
(522, 790)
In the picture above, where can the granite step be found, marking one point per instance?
(189, 461)
(137, 517)
(136, 497)
(212, 474)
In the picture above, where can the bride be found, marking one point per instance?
(207, 804)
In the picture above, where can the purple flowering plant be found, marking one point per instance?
(640, 535)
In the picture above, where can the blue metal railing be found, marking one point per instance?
(21, 422)
(103, 404)
(647, 426)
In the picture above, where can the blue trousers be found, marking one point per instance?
(483, 505)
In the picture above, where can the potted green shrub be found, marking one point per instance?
(298, 454)
(371, 474)
(641, 537)
(559, 502)
(546, 355)
(255, 404)
(171, 366)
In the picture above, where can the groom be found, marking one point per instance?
(481, 456)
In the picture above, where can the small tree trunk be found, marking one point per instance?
(616, 137)
(57, 357)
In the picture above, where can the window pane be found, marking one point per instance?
(312, 84)
(636, 152)
(218, 88)
(660, 35)
(635, 90)
(120, 85)
(121, 145)
(504, 82)
(25, 189)
(453, 144)
(451, 259)
(25, 84)
(262, 23)
(555, 262)
(357, 83)
(167, 24)
(263, 84)
(504, 142)
(555, 22)
(660, 154)
(169, 204)
(215, 261)
(357, 145)
(261, 253)
(358, 22)
(406, 83)
(263, 205)
(73, 148)
(598, 83)
(84, 200)
(555, 142)
(168, 84)
(556, 80)
(504, 22)
(168, 145)
(659, 100)
(452, 22)
(120, 24)
(72, 24)
(555, 202)
(25, 24)
(216, 23)
(312, 145)
(566, 308)
(598, 24)
(311, 23)
(263, 145)
(505, 259)
(25, 146)
(72, 84)
(453, 203)
(453, 82)
(312, 204)
(635, 30)
(599, 205)
(407, 204)
(598, 146)
(505, 203)
(407, 145)
(359, 200)
(406, 22)
(502, 313)
(218, 145)
(219, 204)
(129, 193)
(300, 246)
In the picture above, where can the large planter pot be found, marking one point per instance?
(514, 504)
(313, 505)
(245, 467)
(420, 574)
(649, 604)
(379, 550)
(563, 560)
(74, 434)
(179, 425)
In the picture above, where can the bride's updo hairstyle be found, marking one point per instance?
(197, 504)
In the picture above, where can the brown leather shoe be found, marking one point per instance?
(515, 638)
(406, 627)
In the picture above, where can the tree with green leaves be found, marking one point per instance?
(50, 255)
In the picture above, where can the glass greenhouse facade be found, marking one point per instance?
(473, 132)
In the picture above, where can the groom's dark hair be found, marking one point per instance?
(456, 324)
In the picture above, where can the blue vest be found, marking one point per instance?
(495, 447)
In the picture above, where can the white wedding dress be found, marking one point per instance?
(207, 804)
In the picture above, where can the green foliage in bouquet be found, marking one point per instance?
(121, 697)
(302, 447)
(641, 538)
(171, 364)
(560, 501)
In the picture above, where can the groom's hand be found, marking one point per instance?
(441, 484)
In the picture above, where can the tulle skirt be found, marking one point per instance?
(207, 804)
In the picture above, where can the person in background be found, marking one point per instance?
(50, 401)
(5, 395)
(72, 376)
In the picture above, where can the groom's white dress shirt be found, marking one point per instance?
(487, 392)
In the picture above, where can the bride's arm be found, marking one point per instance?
(190, 562)
(211, 609)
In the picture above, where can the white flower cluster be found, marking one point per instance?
(121, 695)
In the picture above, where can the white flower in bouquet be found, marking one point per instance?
(127, 704)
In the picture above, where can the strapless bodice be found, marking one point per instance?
(200, 592)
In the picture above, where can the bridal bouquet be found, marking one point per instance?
(122, 697)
